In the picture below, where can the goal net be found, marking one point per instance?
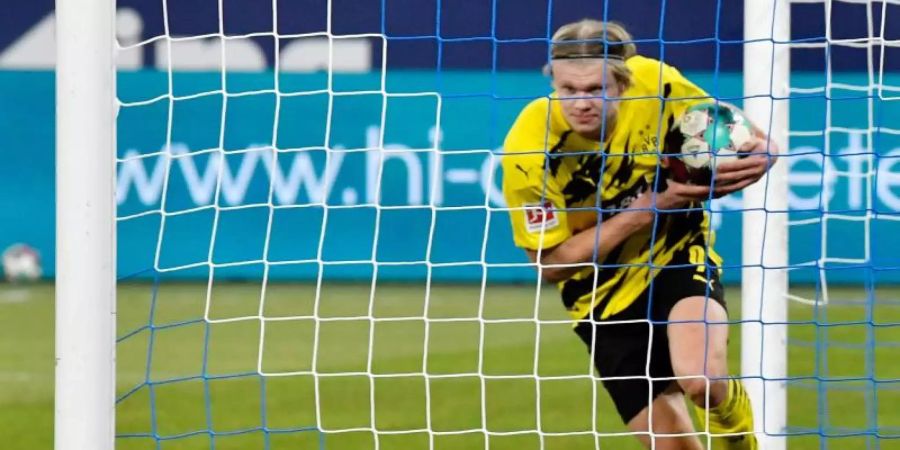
(843, 326)
(314, 251)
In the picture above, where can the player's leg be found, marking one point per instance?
(621, 350)
(690, 299)
(698, 339)
(698, 344)
(670, 417)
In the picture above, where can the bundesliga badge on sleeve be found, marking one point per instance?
(540, 216)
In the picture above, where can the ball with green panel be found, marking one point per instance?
(706, 135)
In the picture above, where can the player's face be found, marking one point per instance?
(581, 86)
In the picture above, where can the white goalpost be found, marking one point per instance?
(764, 281)
(85, 225)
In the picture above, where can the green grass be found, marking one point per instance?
(398, 400)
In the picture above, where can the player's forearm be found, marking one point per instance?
(593, 244)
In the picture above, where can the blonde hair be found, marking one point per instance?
(593, 39)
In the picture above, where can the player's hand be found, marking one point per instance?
(733, 176)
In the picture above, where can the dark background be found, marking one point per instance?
(506, 34)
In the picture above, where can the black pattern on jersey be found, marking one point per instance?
(685, 223)
(573, 289)
(590, 171)
(624, 198)
(584, 179)
(626, 165)
(556, 160)
(597, 312)
(673, 142)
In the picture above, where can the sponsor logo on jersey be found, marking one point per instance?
(540, 215)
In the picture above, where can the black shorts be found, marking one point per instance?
(621, 349)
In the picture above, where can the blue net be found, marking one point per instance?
(316, 251)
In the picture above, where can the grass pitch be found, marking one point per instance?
(355, 378)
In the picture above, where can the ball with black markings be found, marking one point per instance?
(706, 135)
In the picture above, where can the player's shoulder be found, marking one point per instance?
(532, 129)
(533, 117)
(648, 74)
(522, 169)
(524, 150)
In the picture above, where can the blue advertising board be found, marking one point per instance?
(300, 179)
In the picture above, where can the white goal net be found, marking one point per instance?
(314, 251)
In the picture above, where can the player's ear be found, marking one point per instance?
(547, 70)
(622, 84)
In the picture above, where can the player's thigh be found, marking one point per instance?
(698, 338)
(691, 300)
(621, 353)
(669, 417)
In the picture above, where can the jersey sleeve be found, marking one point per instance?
(656, 78)
(536, 204)
(683, 92)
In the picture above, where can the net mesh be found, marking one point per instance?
(292, 201)
(846, 325)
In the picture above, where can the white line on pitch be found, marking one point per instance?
(21, 377)
(15, 295)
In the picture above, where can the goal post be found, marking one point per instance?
(764, 283)
(85, 225)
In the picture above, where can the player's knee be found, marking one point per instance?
(702, 390)
(698, 370)
(672, 426)
(695, 387)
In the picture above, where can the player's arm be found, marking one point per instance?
(594, 244)
(539, 220)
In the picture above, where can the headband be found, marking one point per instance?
(589, 56)
(608, 49)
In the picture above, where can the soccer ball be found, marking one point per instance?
(706, 135)
(21, 263)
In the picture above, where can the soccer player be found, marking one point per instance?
(591, 205)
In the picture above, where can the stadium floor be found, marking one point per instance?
(205, 376)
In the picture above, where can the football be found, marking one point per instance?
(706, 135)
(21, 263)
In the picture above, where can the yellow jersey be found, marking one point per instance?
(557, 183)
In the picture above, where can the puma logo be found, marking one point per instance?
(523, 170)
